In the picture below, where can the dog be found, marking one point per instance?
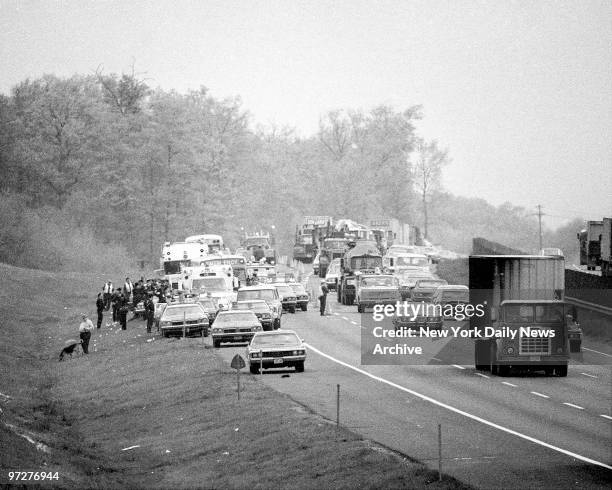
(69, 349)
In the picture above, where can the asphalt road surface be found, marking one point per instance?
(511, 432)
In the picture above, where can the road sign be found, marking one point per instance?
(238, 362)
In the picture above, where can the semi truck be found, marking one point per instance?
(526, 324)
(307, 237)
(590, 244)
(362, 256)
(606, 248)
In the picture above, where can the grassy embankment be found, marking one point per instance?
(173, 399)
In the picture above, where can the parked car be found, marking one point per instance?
(211, 307)
(261, 309)
(234, 326)
(279, 349)
(301, 294)
(424, 289)
(184, 318)
(269, 294)
(287, 296)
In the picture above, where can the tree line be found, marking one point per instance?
(102, 169)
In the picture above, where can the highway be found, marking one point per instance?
(510, 432)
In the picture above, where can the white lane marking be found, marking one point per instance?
(354, 323)
(597, 352)
(336, 313)
(481, 375)
(606, 416)
(345, 318)
(539, 394)
(436, 359)
(461, 412)
(573, 406)
(457, 366)
(508, 384)
(589, 375)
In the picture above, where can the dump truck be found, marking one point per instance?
(526, 324)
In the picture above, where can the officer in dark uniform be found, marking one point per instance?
(149, 311)
(117, 302)
(123, 311)
(100, 308)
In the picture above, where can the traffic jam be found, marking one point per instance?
(244, 297)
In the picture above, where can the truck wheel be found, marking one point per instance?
(217, 343)
(277, 324)
(503, 370)
(299, 367)
(561, 371)
(350, 300)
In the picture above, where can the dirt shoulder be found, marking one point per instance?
(138, 412)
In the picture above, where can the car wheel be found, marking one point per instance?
(305, 307)
(359, 308)
(277, 324)
(217, 343)
(561, 371)
(299, 367)
(292, 309)
(254, 369)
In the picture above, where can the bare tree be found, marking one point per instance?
(426, 172)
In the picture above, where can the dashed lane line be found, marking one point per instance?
(461, 412)
(573, 406)
(354, 322)
(508, 384)
(345, 318)
(457, 366)
(539, 394)
(606, 416)
(589, 375)
(482, 375)
(597, 352)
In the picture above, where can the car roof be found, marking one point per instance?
(275, 332)
(256, 287)
(453, 286)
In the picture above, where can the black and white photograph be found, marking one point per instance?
(306, 244)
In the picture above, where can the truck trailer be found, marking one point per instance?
(526, 325)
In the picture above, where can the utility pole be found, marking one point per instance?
(540, 222)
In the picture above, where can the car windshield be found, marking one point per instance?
(298, 288)
(275, 339)
(365, 262)
(267, 294)
(430, 284)
(206, 303)
(285, 290)
(243, 316)
(369, 282)
(456, 295)
(209, 283)
(549, 313)
(177, 312)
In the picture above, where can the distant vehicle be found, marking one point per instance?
(269, 294)
(287, 296)
(301, 294)
(189, 318)
(333, 273)
(213, 242)
(235, 326)
(261, 309)
(408, 279)
(218, 287)
(363, 257)
(375, 289)
(406, 249)
(590, 244)
(552, 251)
(278, 349)
(424, 289)
(451, 294)
(211, 307)
(398, 261)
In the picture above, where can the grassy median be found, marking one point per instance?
(140, 411)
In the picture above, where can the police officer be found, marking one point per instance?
(149, 311)
(100, 308)
(323, 297)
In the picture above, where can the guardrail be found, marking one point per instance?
(588, 305)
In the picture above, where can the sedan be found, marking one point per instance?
(301, 294)
(235, 326)
(277, 349)
(184, 319)
(261, 309)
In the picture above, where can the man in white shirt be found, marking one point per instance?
(85, 329)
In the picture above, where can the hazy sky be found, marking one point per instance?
(520, 92)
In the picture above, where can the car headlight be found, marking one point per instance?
(255, 355)
(301, 352)
(217, 330)
(257, 328)
(164, 324)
